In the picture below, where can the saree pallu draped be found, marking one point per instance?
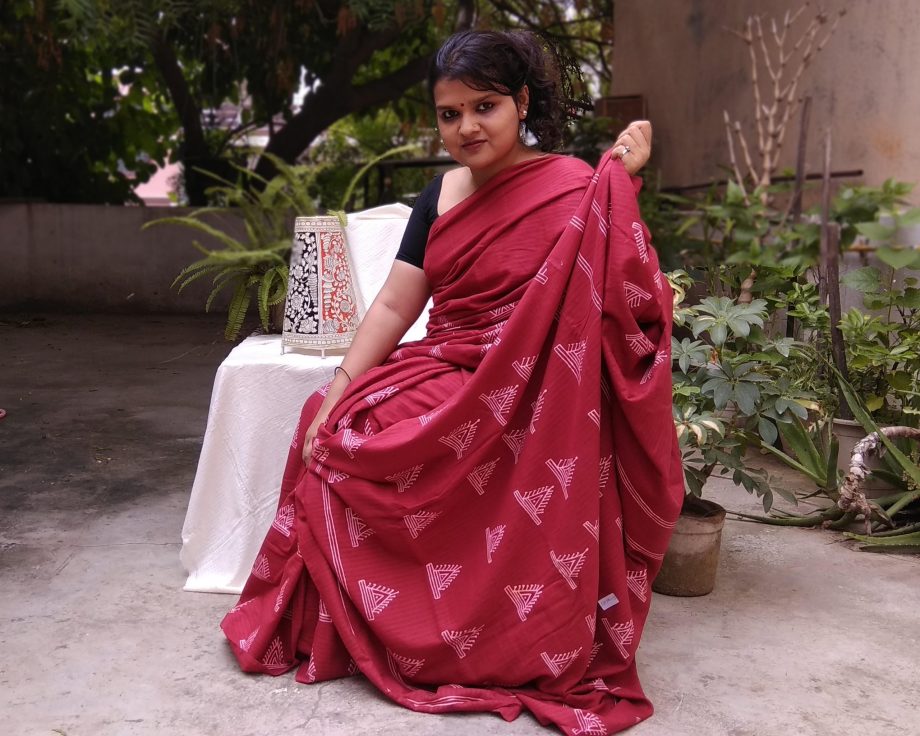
(483, 514)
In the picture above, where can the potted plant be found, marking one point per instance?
(722, 360)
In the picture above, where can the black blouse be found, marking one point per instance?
(424, 213)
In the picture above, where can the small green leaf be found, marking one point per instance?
(863, 279)
(874, 403)
(898, 257)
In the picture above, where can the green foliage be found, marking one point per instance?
(257, 265)
(353, 58)
(71, 130)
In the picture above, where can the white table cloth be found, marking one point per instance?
(256, 401)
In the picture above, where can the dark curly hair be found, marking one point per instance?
(505, 61)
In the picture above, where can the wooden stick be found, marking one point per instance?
(824, 245)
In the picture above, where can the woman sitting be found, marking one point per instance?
(473, 520)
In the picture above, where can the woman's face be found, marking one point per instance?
(480, 129)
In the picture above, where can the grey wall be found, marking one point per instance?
(679, 55)
(96, 258)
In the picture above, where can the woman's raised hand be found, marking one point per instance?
(634, 145)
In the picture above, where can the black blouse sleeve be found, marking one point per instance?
(424, 212)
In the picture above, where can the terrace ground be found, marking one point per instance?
(105, 415)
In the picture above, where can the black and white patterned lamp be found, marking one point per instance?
(321, 311)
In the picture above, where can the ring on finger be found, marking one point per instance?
(626, 149)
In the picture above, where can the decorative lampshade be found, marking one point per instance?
(321, 311)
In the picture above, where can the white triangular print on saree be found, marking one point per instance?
(479, 477)
(537, 407)
(640, 344)
(240, 606)
(572, 355)
(563, 469)
(577, 223)
(500, 402)
(505, 309)
(351, 442)
(246, 644)
(641, 244)
(657, 279)
(435, 352)
(542, 275)
(440, 577)
(323, 615)
(595, 416)
(515, 441)
(405, 478)
(311, 670)
(599, 684)
(429, 417)
(635, 295)
(589, 724)
(603, 474)
(591, 622)
(368, 429)
(524, 366)
(462, 641)
(261, 569)
(320, 453)
(660, 357)
(279, 601)
(622, 635)
(274, 655)
(358, 531)
(594, 529)
(408, 666)
(637, 582)
(559, 663)
(524, 597)
(569, 566)
(336, 475)
(419, 521)
(595, 648)
(344, 422)
(493, 335)
(375, 598)
(493, 539)
(284, 520)
(378, 396)
(534, 502)
(460, 439)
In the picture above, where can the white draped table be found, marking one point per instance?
(256, 401)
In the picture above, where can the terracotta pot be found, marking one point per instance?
(848, 433)
(690, 564)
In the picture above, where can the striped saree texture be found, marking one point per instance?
(483, 514)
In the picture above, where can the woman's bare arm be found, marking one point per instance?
(395, 309)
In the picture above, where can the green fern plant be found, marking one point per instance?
(256, 267)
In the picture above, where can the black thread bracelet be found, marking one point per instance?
(340, 368)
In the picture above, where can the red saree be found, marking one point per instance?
(484, 512)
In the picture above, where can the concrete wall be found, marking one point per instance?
(96, 258)
(678, 54)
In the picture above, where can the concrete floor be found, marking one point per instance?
(98, 450)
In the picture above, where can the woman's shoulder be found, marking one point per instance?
(564, 163)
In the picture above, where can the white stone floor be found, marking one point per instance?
(802, 636)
